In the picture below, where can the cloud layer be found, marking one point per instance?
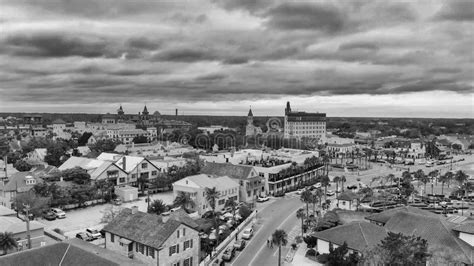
(85, 52)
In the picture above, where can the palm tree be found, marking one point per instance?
(343, 180)
(325, 182)
(7, 242)
(184, 200)
(449, 177)
(390, 178)
(306, 198)
(443, 179)
(326, 160)
(157, 207)
(336, 180)
(211, 196)
(279, 238)
(419, 175)
(300, 215)
(424, 179)
(232, 204)
(319, 194)
(461, 178)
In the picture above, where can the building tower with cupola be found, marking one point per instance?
(304, 125)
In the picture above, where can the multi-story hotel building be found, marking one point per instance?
(302, 124)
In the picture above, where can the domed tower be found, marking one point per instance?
(120, 111)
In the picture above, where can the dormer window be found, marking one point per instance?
(29, 180)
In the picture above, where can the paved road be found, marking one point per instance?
(279, 214)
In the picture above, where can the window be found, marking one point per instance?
(134, 176)
(112, 238)
(222, 201)
(175, 264)
(184, 231)
(142, 248)
(174, 249)
(154, 172)
(188, 261)
(177, 234)
(122, 180)
(188, 244)
(152, 252)
(144, 165)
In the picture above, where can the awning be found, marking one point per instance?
(125, 241)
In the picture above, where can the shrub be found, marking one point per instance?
(294, 246)
(310, 253)
(59, 231)
(298, 239)
(323, 258)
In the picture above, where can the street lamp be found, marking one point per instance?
(27, 210)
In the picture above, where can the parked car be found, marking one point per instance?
(330, 193)
(247, 234)
(93, 233)
(228, 254)
(352, 187)
(60, 214)
(239, 244)
(299, 191)
(49, 215)
(262, 199)
(280, 194)
(317, 185)
(117, 201)
(84, 236)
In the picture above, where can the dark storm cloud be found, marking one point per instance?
(185, 55)
(248, 5)
(143, 43)
(55, 45)
(306, 16)
(358, 45)
(456, 10)
(211, 77)
(235, 60)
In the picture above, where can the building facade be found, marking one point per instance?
(304, 125)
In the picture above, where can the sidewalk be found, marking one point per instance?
(300, 260)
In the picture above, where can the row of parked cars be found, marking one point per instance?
(53, 214)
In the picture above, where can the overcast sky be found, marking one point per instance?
(345, 58)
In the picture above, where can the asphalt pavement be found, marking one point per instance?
(279, 214)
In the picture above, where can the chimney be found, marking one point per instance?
(124, 161)
(176, 112)
(134, 209)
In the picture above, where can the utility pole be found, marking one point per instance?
(27, 210)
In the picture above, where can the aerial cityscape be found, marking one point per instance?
(236, 132)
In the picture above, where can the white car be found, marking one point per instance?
(93, 233)
(60, 214)
(317, 185)
(262, 199)
(247, 234)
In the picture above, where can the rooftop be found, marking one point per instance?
(206, 181)
(226, 169)
(384, 216)
(465, 228)
(358, 235)
(17, 182)
(15, 225)
(148, 229)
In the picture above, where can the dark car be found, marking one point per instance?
(228, 254)
(352, 187)
(239, 244)
(49, 215)
(280, 194)
(208, 214)
(83, 236)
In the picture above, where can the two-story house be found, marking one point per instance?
(196, 185)
(251, 184)
(17, 183)
(153, 239)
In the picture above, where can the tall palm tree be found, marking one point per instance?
(184, 200)
(319, 194)
(279, 238)
(211, 196)
(325, 183)
(461, 178)
(443, 179)
(306, 198)
(7, 242)
(424, 179)
(300, 215)
(326, 160)
(343, 180)
(232, 204)
(449, 177)
(336, 180)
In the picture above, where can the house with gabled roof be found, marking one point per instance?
(251, 184)
(16, 184)
(153, 239)
(465, 232)
(359, 236)
(97, 169)
(195, 186)
(348, 200)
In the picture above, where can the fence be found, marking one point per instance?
(221, 247)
